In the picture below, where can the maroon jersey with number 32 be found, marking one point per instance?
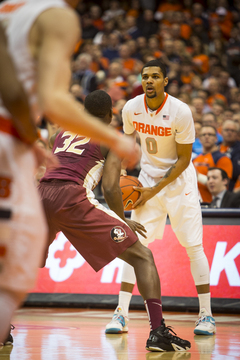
(80, 160)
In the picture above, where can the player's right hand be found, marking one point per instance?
(136, 227)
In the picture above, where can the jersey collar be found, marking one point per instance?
(160, 107)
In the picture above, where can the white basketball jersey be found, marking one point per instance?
(17, 17)
(159, 131)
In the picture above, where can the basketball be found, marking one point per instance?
(129, 195)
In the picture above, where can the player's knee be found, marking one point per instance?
(195, 252)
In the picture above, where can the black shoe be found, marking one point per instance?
(9, 339)
(160, 339)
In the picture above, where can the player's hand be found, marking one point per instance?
(136, 227)
(129, 151)
(146, 193)
(45, 157)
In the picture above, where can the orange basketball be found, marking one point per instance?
(129, 195)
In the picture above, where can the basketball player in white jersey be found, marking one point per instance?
(166, 130)
(41, 36)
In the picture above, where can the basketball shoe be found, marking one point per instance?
(161, 339)
(205, 325)
(118, 324)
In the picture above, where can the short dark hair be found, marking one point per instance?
(223, 172)
(98, 103)
(203, 126)
(158, 63)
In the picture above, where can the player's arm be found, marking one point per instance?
(112, 191)
(184, 153)
(57, 34)
(14, 97)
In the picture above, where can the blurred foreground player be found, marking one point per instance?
(166, 130)
(97, 233)
(41, 36)
(15, 101)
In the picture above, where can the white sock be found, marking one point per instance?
(124, 300)
(205, 302)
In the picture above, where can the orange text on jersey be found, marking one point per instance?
(151, 129)
(7, 8)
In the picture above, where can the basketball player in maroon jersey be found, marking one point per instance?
(97, 233)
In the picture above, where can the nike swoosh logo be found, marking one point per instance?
(137, 113)
(188, 193)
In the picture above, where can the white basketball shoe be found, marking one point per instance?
(205, 325)
(118, 324)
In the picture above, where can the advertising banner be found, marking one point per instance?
(66, 271)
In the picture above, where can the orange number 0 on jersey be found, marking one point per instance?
(151, 145)
(68, 147)
(5, 187)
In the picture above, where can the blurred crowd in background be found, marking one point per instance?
(199, 42)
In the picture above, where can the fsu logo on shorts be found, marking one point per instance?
(118, 234)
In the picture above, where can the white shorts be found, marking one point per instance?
(23, 235)
(180, 200)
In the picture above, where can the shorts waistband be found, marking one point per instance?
(7, 127)
(58, 182)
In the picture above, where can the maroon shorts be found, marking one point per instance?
(96, 232)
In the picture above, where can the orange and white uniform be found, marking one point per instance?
(22, 222)
(159, 132)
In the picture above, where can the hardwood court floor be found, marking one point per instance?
(78, 334)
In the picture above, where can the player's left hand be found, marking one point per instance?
(132, 161)
(136, 227)
(146, 193)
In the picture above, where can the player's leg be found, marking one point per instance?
(9, 302)
(186, 221)
(200, 273)
(153, 217)
(141, 259)
(23, 231)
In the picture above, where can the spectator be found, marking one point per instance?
(169, 56)
(112, 50)
(89, 31)
(217, 183)
(197, 147)
(147, 24)
(198, 103)
(83, 75)
(233, 54)
(199, 58)
(95, 13)
(101, 37)
(126, 60)
(210, 157)
(226, 83)
(198, 13)
(132, 30)
(114, 11)
(210, 118)
(231, 148)
(200, 30)
(214, 90)
(235, 107)
(153, 45)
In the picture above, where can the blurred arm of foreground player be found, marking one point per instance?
(184, 152)
(52, 41)
(14, 97)
(112, 191)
